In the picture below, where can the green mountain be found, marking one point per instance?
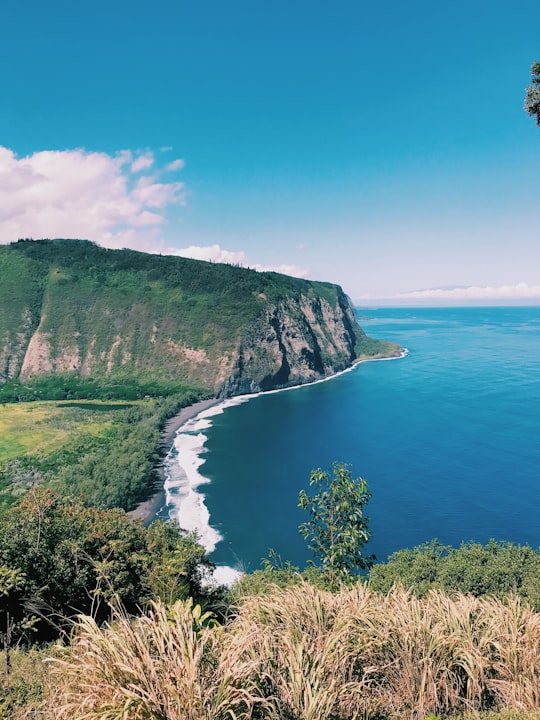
(74, 309)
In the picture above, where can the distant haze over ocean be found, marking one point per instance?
(430, 303)
(447, 438)
(521, 294)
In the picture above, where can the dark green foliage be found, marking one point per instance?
(337, 530)
(276, 573)
(115, 468)
(193, 276)
(532, 97)
(59, 558)
(493, 569)
(134, 272)
(70, 386)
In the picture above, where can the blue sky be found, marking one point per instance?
(382, 146)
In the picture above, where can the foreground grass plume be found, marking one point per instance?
(305, 654)
(167, 664)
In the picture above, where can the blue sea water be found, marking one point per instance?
(447, 438)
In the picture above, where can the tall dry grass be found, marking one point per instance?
(165, 665)
(301, 653)
(300, 642)
(427, 655)
(514, 638)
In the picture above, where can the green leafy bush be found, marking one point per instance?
(59, 558)
(493, 569)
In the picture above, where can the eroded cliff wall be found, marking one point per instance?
(295, 341)
(70, 307)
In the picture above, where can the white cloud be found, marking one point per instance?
(212, 253)
(81, 194)
(215, 253)
(115, 200)
(520, 291)
(154, 194)
(293, 270)
(143, 162)
(175, 165)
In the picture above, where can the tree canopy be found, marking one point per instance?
(338, 529)
(496, 568)
(59, 558)
(532, 96)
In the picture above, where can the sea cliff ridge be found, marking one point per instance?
(70, 307)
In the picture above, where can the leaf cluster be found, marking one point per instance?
(338, 529)
(532, 94)
(59, 558)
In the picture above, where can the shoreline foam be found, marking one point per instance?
(184, 503)
(181, 467)
(151, 508)
(156, 504)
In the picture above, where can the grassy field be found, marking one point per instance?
(39, 441)
(105, 450)
(38, 428)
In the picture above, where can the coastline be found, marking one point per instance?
(147, 510)
(186, 413)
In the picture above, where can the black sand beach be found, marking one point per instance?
(147, 510)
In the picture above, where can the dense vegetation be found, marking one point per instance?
(69, 386)
(105, 452)
(496, 569)
(288, 644)
(59, 558)
(232, 283)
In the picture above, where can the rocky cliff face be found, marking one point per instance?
(296, 341)
(75, 308)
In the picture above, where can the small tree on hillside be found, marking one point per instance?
(337, 530)
(532, 97)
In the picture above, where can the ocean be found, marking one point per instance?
(447, 438)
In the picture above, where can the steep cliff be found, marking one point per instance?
(73, 308)
(298, 340)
